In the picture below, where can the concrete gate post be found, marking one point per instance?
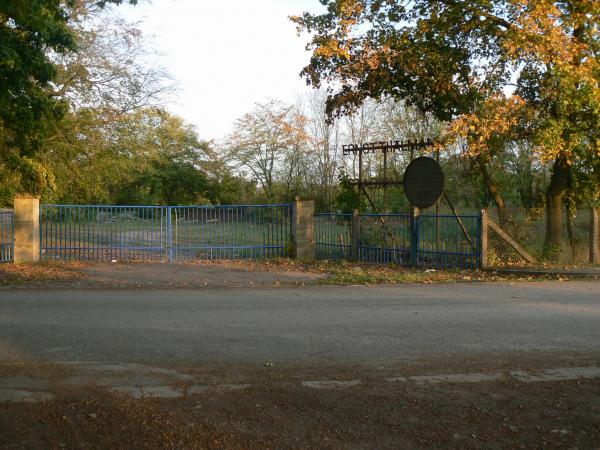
(27, 228)
(303, 229)
(484, 239)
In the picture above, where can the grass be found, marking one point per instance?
(352, 273)
(346, 273)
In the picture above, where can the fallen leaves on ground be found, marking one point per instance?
(34, 273)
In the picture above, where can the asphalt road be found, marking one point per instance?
(312, 324)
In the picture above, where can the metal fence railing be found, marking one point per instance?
(6, 235)
(230, 232)
(449, 242)
(428, 241)
(385, 238)
(333, 235)
(103, 233)
(172, 233)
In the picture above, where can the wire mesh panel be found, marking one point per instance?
(527, 227)
(333, 234)
(385, 238)
(229, 232)
(6, 235)
(448, 241)
(103, 233)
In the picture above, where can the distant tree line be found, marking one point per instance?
(510, 90)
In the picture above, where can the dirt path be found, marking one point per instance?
(157, 275)
(240, 274)
(196, 275)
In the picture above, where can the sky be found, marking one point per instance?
(226, 55)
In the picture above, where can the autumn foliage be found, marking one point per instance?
(497, 71)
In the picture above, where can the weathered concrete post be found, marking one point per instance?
(27, 228)
(355, 236)
(303, 228)
(595, 236)
(484, 239)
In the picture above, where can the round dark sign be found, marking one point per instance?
(423, 182)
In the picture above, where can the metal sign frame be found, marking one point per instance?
(385, 147)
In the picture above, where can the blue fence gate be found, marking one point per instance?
(7, 239)
(173, 233)
(427, 241)
(229, 232)
(183, 233)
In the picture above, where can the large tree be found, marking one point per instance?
(143, 157)
(267, 143)
(31, 32)
(461, 60)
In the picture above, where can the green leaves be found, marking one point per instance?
(29, 30)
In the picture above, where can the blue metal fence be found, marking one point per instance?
(173, 233)
(333, 234)
(103, 233)
(385, 238)
(181, 233)
(229, 232)
(448, 242)
(6, 235)
(429, 241)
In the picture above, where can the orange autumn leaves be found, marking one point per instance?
(495, 120)
(500, 69)
(560, 44)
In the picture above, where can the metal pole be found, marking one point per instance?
(385, 180)
(360, 170)
(460, 223)
(169, 235)
(414, 236)
(355, 235)
(437, 213)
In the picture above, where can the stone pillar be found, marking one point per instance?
(484, 239)
(595, 236)
(27, 229)
(303, 229)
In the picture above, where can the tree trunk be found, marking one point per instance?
(554, 203)
(490, 184)
(494, 190)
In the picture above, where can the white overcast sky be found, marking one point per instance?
(226, 55)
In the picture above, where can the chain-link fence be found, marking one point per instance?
(527, 229)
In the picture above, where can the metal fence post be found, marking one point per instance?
(355, 237)
(414, 237)
(169, 235)
(595, 236)
(484, 239)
